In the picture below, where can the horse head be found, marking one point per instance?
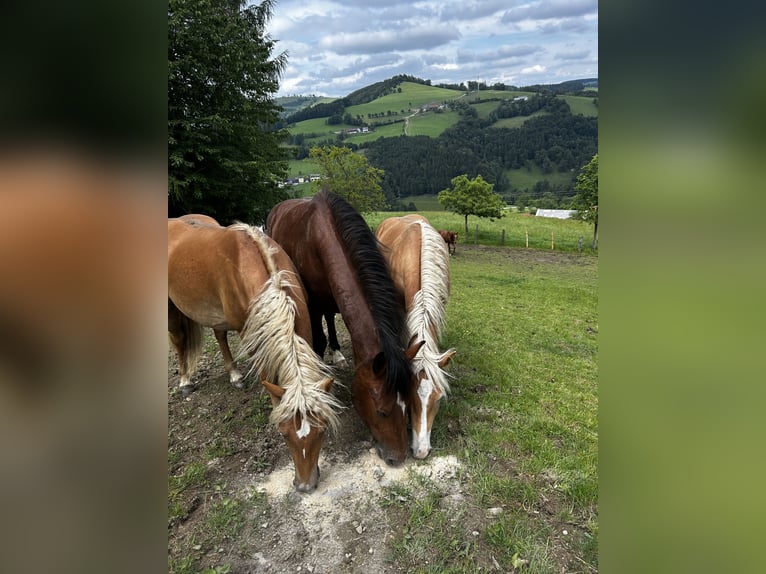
(304, 435)
(425, 400)
(382, 408)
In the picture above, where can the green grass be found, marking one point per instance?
(526, 178)
(566, 233)
(432, 124)
(411, 97)
(302, 167)
(516, 121)
(582, 105)
(521, 418)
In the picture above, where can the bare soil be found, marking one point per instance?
(346, 525)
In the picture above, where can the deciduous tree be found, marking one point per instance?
(586, 200)
(472, 197)
(349, 175)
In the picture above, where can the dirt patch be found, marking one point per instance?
(223, 451)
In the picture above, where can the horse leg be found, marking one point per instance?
(223, 341)
(317, 333)
(186, 336)
(337, 357)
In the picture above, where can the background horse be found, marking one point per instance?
(450, 238)
(419, 264)
(237, 279)
(343, 270)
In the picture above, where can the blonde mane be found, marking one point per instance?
(429, 306)
(278, 352)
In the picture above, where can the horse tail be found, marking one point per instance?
(429, 306)
(192, 336)
(276, 350)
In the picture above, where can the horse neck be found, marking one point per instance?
(349, 297)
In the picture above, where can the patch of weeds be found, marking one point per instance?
(225, 519)
(221, 448)
(396, 494)
(520, 541)
(185, 565)
(224, 569)
(179, 505)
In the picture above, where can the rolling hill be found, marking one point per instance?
(529, 142)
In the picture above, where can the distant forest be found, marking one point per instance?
(556, 141)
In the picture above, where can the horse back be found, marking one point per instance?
(213, 273)
(401, 238)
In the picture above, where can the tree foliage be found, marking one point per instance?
(349, 175)
(472, 197)
(586, 200)
(224, 155)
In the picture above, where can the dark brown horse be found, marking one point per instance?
(238, 279)
(344, 271)
(419, 264)
(450, 238)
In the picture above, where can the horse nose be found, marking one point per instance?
(422, 453)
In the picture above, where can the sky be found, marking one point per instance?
(335, 47)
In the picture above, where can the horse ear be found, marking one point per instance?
(413, 349)
(326, 385)
(275, 392)
(446, 359)
(379, 364)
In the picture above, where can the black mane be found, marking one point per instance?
(377, 286)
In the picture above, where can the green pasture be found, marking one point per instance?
(516, 121)
(412, 96)
(432, 124)
(517, 227)
(526, 178)
(521, 417)
(581, 105)
(306, 166)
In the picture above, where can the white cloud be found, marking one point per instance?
(338, 46)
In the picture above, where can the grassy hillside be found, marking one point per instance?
(582, 105)
(400, 113)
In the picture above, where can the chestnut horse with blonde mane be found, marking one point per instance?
(343, 271)
(237, 279)
(419, 264)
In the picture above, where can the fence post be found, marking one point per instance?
(553, 244)
(502, 238)
(526, 233)
(579, 244)
(476, 235)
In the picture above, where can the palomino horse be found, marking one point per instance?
(450, 238)
(419, 264)
(237, 279)
(343, 270)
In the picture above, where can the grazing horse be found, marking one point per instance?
(419, 264)
(237, 279)
(343, 271)
(450, 238)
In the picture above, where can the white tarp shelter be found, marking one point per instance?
(557, 213)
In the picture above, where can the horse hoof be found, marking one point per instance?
(187, 390)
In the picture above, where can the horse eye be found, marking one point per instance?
(382, 414)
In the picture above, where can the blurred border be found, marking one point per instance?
(83, 349)
(682, 87)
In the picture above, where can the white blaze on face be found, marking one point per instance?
(305, 429)
(423, 438)
(304, 453)
(400, 402)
